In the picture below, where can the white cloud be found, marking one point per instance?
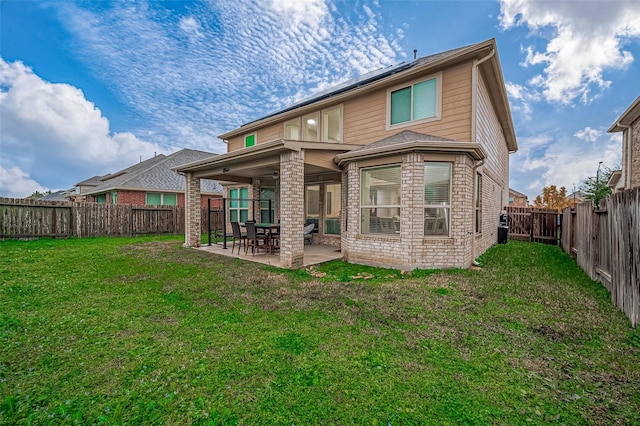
(50, 133)
(15, 183)
(585, 38)
(190, 26)
(248, 59)
(559, 162)
(588, 134)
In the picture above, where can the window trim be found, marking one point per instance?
(161, 194)
(319, 113)
(298, 122)
(438, 116)
(436, 206)
(318, 118)
(478, 204)
(323, 136)
(377, 206)
(239, 200)
(255, 139)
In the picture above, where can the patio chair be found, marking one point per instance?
(254, 240)
(308, 233)
(238, 235)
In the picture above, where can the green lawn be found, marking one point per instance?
(141, 330)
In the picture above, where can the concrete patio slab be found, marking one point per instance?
(313, 254)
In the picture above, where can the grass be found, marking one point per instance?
(142, 331)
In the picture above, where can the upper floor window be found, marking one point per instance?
(324, 125)
(310, 127)
(415, 102)
(249, 140)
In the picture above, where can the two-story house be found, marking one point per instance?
(629, 124)
(404, 167)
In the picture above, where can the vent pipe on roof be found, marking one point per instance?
(415, 53)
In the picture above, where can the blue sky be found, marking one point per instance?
(90, 87)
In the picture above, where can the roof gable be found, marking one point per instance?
(629, 116)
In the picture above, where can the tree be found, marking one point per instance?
(596, 187)
(36, 195)
(552, 198)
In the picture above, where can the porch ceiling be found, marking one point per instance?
(260, 160)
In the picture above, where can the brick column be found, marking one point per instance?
(351, 209)
(412, 202)
(254, 194)
(192, 211)
(291, 209)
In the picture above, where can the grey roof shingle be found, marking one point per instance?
(402, 137)
(156, 174)
(366, 79)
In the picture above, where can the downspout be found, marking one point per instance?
(626, 166)
(474, 101)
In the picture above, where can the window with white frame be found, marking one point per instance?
(332, 125)
(415, 102)
(380, 189)
(267, 204)
(239, 204)
(324, 125)
(332, 203)
(478, 207)
(292, 129)
(161, 199)
(312, 205)
(437, 199)
(311, 127)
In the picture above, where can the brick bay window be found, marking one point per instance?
(437, 199)
(415, 102)
(239, 204)
(380, 190)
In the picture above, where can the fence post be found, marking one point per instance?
(224, 223)
(209, 221)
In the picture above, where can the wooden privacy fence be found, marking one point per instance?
(532, 224)
(32, 219)
(606, 245)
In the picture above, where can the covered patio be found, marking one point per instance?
(284, 168)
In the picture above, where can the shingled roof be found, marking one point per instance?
(155, 174)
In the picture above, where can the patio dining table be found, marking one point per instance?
(270, 230)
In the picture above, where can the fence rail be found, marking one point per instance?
(33, 218)
(606, 245)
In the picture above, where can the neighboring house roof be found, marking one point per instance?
(389, 74)
(407, 141)
(579, 195)
(92, 181)
(516, 193)
(156, 174)
(62, 195)
(629, 116)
